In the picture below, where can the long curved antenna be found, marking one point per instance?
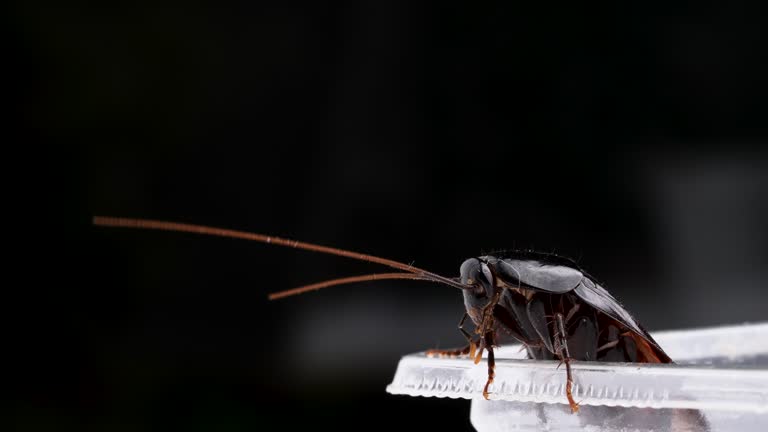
(343, 281)
(119, 222)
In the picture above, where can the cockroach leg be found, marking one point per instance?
(486, 324)
(471, 342)
(469, 349)
(449, 353)
(572, 312)
(536, 309)
(480, 347)
(491, 364)
(608, 345)
(565, 356)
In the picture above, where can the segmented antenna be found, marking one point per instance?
(344, 281)
(411, 271)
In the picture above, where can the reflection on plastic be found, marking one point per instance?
(528, 416)
(719, 383)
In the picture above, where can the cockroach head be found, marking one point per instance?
(476, 273)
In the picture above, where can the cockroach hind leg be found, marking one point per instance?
(565, 356)
(568, 383)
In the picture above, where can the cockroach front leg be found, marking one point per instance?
(488, 342)
(469, 349)
(565, 356)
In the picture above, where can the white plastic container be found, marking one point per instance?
(719, 383)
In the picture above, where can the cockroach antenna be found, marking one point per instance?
(410, 272)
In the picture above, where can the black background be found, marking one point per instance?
(628, 138)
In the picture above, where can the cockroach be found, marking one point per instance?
(545, 301)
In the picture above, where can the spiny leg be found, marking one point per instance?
(485, 326)
(565, 356)
(491, 363)
(469, 349)
(449, 353)
(571, 313)
(536, 311)
(485, 329)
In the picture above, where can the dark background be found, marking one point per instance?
(628, 138)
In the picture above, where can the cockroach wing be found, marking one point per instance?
(552, 278)
(596, 296)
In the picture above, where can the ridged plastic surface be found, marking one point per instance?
(721, 375)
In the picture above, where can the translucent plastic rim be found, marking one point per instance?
(731, 385)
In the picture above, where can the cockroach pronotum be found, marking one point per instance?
(544, 301)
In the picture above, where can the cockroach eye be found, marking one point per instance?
(470, 271)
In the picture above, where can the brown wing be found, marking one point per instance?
(649, 351)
